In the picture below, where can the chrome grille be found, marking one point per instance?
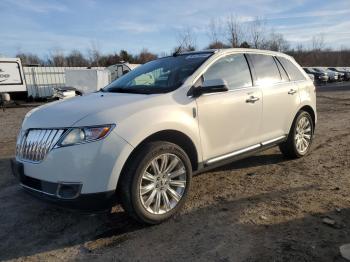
(34, 144)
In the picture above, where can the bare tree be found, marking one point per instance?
(277, 42)
(145, 56)
(317, 42)
(29, 59)
(76, 58)
(217, 45)
(215, 32)
(299, 48)
(186, 40)
(94, 54)
(234, 31)
(56, 58)
(257, 32)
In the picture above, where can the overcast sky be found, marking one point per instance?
(41, 26)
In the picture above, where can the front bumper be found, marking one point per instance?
(96, 166)
(57, 192)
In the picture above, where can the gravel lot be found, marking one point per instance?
(264, 208)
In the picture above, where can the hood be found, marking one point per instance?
(68, 112)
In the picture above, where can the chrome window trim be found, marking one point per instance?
(203, 71)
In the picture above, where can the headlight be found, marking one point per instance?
(84, 135)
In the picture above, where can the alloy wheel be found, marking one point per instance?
(303, 135)
(163, 183)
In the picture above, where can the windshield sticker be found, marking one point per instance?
(197, 56)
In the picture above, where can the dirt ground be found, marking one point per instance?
(264, 208)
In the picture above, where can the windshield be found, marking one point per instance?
(159, 76)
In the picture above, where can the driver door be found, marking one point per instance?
(229, 121)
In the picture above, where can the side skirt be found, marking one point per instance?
(237, 155)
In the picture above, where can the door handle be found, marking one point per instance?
(292, 92)
(252, 99)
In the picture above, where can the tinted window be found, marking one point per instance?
(233, 69)
(158, 76)
(293, 72)
(266, 70)
(282, 71)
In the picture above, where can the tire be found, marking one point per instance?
(136, 202)
(292, 147)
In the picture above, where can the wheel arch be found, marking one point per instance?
(308, 109)
(178, 138)
(172, 136)
(311, 111)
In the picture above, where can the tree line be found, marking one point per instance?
(230, 32)
(93, 59)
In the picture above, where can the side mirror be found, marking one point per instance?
(210, 86)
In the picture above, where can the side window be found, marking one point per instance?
(233, 69)
(293, 72)
(265, 69)
(283, 72)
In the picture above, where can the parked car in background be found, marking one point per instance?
(320, 77)
(312, 77)
(139, 141)
(332, 76)
(345, 74)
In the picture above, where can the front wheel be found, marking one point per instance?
(155, 183)
(300, 136)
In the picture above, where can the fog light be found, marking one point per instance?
(68, 190)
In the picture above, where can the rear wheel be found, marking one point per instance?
(155, 183)
(300, 136)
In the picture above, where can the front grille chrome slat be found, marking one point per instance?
(34, 144)
(43, 151)
(39, 145)
(50, 141)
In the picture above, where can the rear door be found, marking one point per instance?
(229, 121)
(280, 96)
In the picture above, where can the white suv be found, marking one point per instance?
(140, 139)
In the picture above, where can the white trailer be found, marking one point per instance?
(11, 76)
(91, 80)
(87, 80)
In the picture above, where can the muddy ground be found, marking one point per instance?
(264, 208)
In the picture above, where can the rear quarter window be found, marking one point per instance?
(283, 72)
(294, 73)
(265, 67)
